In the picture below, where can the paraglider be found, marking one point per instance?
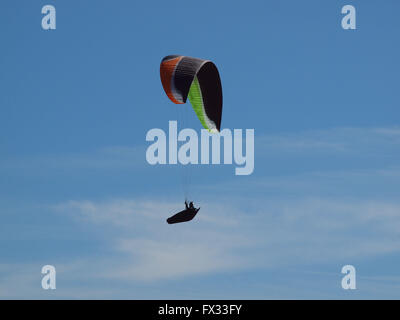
(185, 215)
(198, 80)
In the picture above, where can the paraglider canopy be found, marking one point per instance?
(197, 79)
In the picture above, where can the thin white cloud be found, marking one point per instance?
(113, 157)
(279, 233)
(155, 250)
(336, 140)
(156, 259)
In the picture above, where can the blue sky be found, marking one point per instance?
(77, 193)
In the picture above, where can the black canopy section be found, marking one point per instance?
(211, 90)
(183, 216)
